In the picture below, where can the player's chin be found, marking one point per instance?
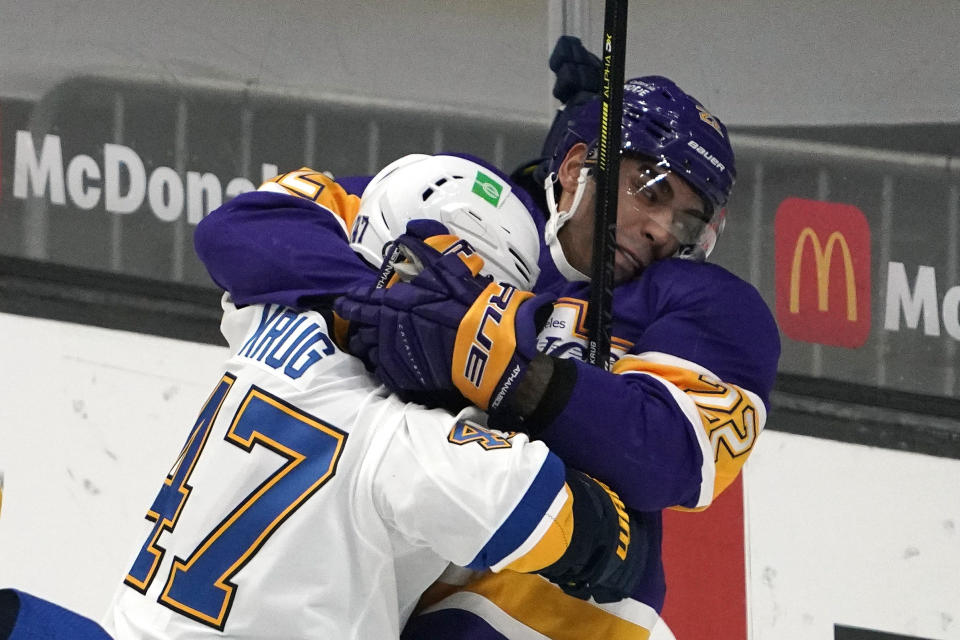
(626, 267)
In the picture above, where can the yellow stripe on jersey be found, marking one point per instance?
(435, 593)
(553, 543)
(729, 416)
(320, 188)
(542, 606)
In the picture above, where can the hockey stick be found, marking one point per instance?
(599, 311)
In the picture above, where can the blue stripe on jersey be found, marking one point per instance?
(25, 616)
(526, 516)
(449, 623)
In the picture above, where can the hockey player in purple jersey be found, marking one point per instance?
(669, 426)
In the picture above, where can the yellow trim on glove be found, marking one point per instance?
(452, 244)
(486, 341)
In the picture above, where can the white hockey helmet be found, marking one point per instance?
(472, 201)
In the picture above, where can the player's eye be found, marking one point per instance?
(643, 190)
(650, 184)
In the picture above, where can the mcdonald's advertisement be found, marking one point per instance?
(866, 285)
(824, 280)
(823, 272)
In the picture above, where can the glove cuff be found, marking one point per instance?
(553, 400)
(521, 389)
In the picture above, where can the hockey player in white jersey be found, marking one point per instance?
(308, 502)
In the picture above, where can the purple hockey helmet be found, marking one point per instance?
(660, 121)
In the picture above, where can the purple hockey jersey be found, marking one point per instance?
(696, 351)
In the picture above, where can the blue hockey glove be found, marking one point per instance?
(577, 70)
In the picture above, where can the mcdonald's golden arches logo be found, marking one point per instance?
(823, 272)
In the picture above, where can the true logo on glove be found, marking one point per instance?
(461, 248)
(482, 346)
(484, 368)
(452, 245)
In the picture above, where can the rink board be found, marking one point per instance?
(822, 540)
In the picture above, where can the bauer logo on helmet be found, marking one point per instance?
(706, 154)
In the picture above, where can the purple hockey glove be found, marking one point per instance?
(447, 329)
(426, 242)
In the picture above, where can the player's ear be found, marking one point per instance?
(569, 171)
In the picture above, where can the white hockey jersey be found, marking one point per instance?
(308, 502)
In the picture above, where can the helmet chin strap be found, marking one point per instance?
(557, 219)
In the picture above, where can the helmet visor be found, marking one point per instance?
(687, 220)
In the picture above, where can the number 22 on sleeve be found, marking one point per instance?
(199, 586)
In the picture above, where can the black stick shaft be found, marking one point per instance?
(600, 310)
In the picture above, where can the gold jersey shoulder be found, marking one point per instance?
(730, 417)
(321, 188)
